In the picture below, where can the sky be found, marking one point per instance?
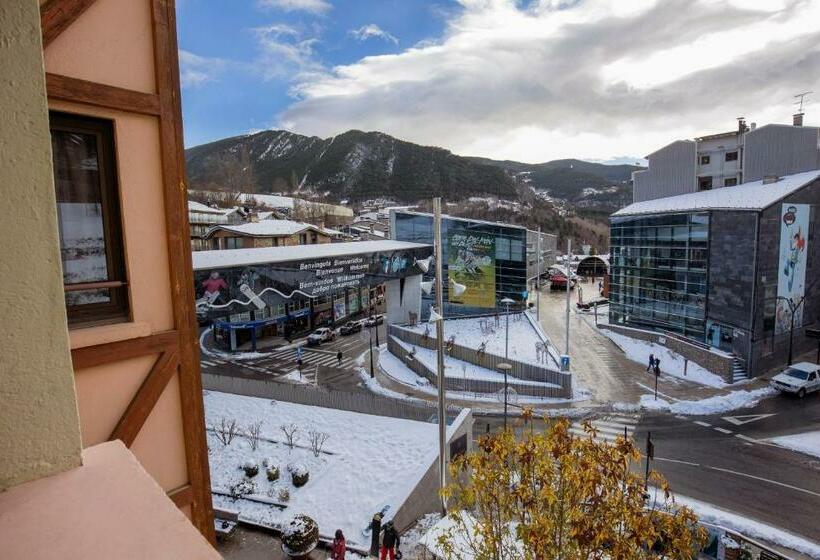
(527, 80)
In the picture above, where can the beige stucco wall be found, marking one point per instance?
(39, 428)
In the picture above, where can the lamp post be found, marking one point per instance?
(538, 278)
(505, 369)
(506, 301)
(569, 277)
(438, 316)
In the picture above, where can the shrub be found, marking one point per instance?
(273, 473)
(299, 475)
(283, 495)
(251, 469)
(300, 535)
(243, 488)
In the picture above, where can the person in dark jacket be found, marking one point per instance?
(339, 546)
(651, 365)
(390, 541)
(339, 357)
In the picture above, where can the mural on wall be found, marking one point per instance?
(471, 263)
(791, 275)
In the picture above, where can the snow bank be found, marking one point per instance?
(808, 442)
(671, 362)
(712, 405)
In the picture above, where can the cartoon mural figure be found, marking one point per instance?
(797, 244)
(791, 281)
(213, 285)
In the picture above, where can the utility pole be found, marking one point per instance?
(569, 275)
(442, 411)
(538, 278)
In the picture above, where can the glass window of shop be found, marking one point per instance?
(658, 272)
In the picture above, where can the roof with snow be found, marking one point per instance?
(450, 217)
(752, 196)
(194, 206)
(272, 200)
(206, 260)
(268, 228)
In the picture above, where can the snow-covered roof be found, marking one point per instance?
(451, 217)
(194, 206)
(754, 195)
(272, 200)
(267, 228)
(206, 260)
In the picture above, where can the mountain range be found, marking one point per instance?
(360, 165)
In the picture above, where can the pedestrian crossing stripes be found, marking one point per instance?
(321, 358)
(211, 362)
(609, 428)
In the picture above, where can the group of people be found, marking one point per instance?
(389, 542)
(654, 365)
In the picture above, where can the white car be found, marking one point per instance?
(799, 379)
(321, 335)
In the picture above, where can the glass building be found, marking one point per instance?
(488, 259)
(658, 272)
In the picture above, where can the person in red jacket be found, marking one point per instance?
(339, 546)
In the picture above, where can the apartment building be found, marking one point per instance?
(102, 435)
(201, 218)
(727, 159)
(266, 233)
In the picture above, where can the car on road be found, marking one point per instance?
(374, 320)
(351, 327)
(320, 335)
(798, 379)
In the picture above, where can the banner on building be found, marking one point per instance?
(471, 263)
(339, 309)
(791, 274)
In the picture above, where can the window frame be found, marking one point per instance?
(705, 159)
(118, 309)
(731, 156)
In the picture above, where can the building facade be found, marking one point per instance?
(265, 233)
(728, 269)
(728, 159)
(488, 259)
(201, 218)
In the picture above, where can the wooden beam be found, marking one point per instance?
(65, 88)
(180, 268)
(182, 496)
(146, 398)
(57, 15)
(100, 354)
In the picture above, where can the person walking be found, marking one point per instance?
(390, 541)
(339, 357)
(651, 363)
(339, 546)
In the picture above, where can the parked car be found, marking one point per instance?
(374, 320)
(350, 327)
(320, 335)
(798, 379)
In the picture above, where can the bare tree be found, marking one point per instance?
(317, 441)
(226, 430)
(252, 433)
(291, 432)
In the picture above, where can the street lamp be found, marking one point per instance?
(438, 314)
(505, 369)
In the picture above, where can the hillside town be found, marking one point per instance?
(286, 345)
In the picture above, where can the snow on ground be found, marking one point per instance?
(808, 442)
(712, 405)
(523, 337)
(459, 369)
(294, 377)
(371, 461)
(214, 353)
(671, 362)
(749, 527)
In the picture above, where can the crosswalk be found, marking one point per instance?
(314, 357)
(212, 362)
(609, 427)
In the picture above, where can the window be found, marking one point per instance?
(731, 156)
(88, 212)
(704, 160)
(730, 182)
(704, 183)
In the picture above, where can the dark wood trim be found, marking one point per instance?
(66, 88)
(94, 286)
(57, 15)
(146, 398)
(182, 496)
(166, 64)
(100, 354)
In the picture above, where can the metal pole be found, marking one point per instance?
(442, 418)
(506, 356)
(538, 278)
(791, 334)
(569, 275)
(372, 374)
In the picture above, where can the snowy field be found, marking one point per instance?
(368, 462)
(469, 333)
(671, 362)
(808, 443)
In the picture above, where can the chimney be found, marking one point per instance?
(797, 119)
(754, 125)
(769, 179)
(741, 125)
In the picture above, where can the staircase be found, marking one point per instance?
(739, 372)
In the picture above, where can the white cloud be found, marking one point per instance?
(592, 79)
(311, 6)
(195, 70)
(372, 30)
(285, 53)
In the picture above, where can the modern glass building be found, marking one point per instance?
(658, 272)
(488, 259)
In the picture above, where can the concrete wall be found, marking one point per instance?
(778, 149)
(402, 303)
(671, 171)
(36, 438)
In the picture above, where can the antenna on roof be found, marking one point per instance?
(801, 98)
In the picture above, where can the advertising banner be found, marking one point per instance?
(791, 275)
(339, 309)
(471, 263)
